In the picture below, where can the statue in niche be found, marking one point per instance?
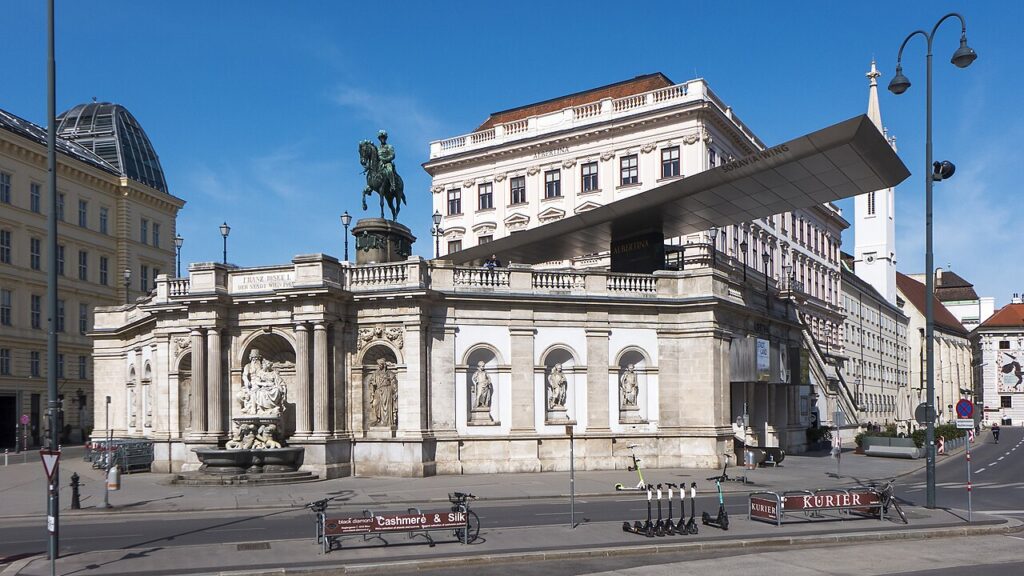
(557, 387)
(147, 401)
(131, 407)
(263, 390)
(185, 404)
(383, 386)
(483, 388)
(628, 386)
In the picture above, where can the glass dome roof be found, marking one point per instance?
(112, 133)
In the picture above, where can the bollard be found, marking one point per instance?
(5, 456)
(76, 503)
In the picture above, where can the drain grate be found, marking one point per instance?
(254, 546)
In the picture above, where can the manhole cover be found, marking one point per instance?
(254, 546)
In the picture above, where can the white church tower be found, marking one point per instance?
(874, 220)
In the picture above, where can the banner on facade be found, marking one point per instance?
(764, 360)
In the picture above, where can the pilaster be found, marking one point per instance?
(198, 383)
(321, 363)
(597, 380)
(302, 396)
(522, 380)
(214, 369)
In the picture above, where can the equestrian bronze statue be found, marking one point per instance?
(381, 177)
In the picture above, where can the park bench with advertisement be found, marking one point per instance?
(331, 531)
(773, 507)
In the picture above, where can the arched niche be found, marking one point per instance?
(481, 375)
(276, 348)
(184, 372)
(631, 384)
(378, 401)
(130, 393)
(560, 373)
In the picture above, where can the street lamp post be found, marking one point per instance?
(178, 241)
(713, 232)
(224, 231)
(437, 232)
(346, 219)
(743, 251)
(962, 58)
(108, 456)
(127, 284)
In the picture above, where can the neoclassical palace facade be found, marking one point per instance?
(489, 368)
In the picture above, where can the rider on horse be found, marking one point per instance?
(386, 153)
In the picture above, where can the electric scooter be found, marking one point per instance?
(670, 524)
(722, 520)
(638, 527)
(641, 485)
(659, 525)
(691, 524)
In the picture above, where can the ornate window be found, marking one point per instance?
(552, 183)
(629, 170)
(589, 174)
(485, 197)
(670, 162)
(454, 202)
(517, 189)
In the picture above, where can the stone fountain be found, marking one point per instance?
(257, 451)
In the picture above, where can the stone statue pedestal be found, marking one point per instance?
(380, 432)
(481, 416)
(630, 415)
(379, 241)
(558, 416)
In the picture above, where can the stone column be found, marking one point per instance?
(321, 364)
(523, 382)
(442, 381)
(411, 405)
(597, 381)
(198, 383)
(214, 369)
(301, 399)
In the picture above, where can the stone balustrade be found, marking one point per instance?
(688, 264)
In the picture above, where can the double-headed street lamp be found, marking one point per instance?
(765, 257)
(743, 251)
(224, 231)
(178, 241)
(934, 172)
(346, 219)
(437, 232)
(127, 283)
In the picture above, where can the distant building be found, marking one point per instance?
(953, 370)
(115, 214)
(959, 297)
(875, 360)
(999, 348)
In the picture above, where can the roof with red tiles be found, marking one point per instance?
(1010, 316)
(916, 294)
(637, 85)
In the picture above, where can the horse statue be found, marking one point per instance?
(381, 177)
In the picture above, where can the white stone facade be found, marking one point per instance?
(175, 361)
(999, 368)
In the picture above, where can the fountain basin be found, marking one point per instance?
(234, 462)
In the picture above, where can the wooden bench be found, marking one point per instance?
(371, 525)
(772, 507)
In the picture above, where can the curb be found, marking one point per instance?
(1007, 526)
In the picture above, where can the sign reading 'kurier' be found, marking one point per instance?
(261, 281)
(395, 523)
(764, 509)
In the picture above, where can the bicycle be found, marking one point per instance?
(641, 485)
(460, 503)
(319, 507)
(888, 496)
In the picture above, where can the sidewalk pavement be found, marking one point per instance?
(22, 494)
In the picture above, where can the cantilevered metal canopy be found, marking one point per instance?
(843, 160)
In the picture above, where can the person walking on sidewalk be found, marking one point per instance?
(995, 431)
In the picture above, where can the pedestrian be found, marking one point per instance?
(995, 431)
(492, 262)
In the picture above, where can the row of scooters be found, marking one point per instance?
(667, 526)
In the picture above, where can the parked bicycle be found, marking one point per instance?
(887, 493)
(319, 507)
(460, 503)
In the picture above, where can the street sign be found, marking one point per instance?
(965, 408)
(50, 458)
(24, 419)
(965, 423)
(922, 413)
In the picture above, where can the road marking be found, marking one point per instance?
(1000, 458)
(234, 529)
(979, 470)
(1000, 511)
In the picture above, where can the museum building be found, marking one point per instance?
(406, 367)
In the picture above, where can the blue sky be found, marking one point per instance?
(256, 107)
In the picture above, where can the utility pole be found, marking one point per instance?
(53, 502)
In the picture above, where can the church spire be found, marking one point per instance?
(874, 112)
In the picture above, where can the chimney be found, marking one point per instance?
(1016, 299)
(938, 276)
